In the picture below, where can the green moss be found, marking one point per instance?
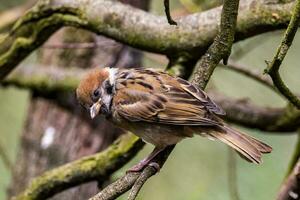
(83, 170)
(29, 33)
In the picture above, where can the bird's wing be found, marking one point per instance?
(146, 95)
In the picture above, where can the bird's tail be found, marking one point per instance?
(248, 147)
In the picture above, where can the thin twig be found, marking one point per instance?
(273, 67)
(242, 69)
(167, 11)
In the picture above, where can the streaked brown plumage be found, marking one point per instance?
(161, 109)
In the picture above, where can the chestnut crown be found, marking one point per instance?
(88, 91)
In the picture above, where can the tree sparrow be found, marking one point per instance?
(161, 109)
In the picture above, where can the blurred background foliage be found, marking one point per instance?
(198, 168)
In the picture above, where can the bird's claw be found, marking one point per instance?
(138, 167)
(155, 165)
(141, 165)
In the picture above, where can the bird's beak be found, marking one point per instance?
(95, 108)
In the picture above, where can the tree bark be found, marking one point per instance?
(53, 135)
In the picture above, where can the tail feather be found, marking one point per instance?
(248, 147)
(261, 146)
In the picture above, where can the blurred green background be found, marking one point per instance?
(198, 168)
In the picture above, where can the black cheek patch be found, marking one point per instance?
(108, 87)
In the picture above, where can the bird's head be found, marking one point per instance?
(89, 93)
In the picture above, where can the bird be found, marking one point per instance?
(161, 109)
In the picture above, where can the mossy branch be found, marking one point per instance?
(10, 16)
(127, 181)
(221, 47)
(133, 27)
(91, 168)
(244, 112)
(45, 79)
(273, 67)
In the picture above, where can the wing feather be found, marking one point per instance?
(146, 95)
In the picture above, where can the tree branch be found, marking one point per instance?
(96, 167)
(221, 47)
(126, 182)
(45, 79)
(133, 27)
(243, 112)
(140, 181)
(273, 67)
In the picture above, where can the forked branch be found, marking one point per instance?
(273, 67)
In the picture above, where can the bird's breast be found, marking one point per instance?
(159, 135)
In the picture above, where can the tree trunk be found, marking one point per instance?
(57, 130)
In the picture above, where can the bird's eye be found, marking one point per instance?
(96, 95)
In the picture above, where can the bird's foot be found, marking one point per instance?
(147, 161)
(141, 165)
(138, 167)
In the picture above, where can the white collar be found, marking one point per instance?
(112, 75)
